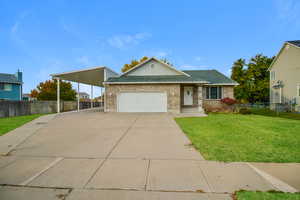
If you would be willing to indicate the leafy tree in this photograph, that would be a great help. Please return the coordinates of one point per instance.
(253, 79)
(133, 63)
(166, 61)
(48, 91)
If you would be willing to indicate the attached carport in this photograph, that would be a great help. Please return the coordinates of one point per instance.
(91, 76)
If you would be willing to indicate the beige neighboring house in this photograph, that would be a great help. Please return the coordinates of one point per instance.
(154, 86)
(285, 76)
(84, 96)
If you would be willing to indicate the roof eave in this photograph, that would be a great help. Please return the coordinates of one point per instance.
(155, 82)
(281, 50)
(231, 84)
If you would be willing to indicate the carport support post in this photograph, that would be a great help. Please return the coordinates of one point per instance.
(91, 96)
(58, 96)
(78, 97)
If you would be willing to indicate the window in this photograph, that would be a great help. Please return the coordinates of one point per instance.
(5, 87)
(272, 75)
(298, 90)
(213, 93)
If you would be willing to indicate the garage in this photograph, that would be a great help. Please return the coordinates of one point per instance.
(142, 102)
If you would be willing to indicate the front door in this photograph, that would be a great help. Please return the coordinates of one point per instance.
(188, 96)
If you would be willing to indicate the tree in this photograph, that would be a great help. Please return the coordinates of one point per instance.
(48, 91)
(133, 63)
(253, 79)
(166, 61)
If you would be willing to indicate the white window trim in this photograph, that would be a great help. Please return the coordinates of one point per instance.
(298, 90)
(272, 75)
(218, 89)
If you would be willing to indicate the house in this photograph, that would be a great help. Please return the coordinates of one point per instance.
(11, 86)
(27, 97)
(285, 76)
(84, 96)
(155, 86)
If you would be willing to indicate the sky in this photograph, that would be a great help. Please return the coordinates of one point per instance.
(44, 37)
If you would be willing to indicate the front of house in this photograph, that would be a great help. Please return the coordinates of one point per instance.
(154, 86)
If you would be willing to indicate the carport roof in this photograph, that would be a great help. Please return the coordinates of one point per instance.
(91, 76)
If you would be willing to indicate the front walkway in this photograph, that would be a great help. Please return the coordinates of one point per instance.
(89, 155)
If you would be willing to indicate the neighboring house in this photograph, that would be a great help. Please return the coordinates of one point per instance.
(154, 86)
(11, 86)
(84, 96)
(27, 97)
(285, 76)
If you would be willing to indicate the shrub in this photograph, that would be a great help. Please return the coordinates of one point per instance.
(228, 101)
(245, 111)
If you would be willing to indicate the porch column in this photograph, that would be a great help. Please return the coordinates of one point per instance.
(78, 106)
(200, 98)
(58, 96)
(91, 96)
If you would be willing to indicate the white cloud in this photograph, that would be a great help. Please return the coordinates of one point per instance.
(198, 58)
(124, 41)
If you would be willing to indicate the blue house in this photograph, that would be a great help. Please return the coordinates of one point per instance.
(11, 86)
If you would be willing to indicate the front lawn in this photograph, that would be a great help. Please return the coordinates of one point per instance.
(252, 138)
(9, 123)
(246, 195)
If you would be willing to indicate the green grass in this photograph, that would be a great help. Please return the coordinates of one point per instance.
(235, 137)
(10, 123)
(246, 195)
(267, 112)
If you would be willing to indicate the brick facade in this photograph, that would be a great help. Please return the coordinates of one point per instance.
(216, 105)
(174, 95)
(172, 90)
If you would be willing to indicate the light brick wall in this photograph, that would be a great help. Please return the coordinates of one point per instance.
(172, 90)
(228, 91)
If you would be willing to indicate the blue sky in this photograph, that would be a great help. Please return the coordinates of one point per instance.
(44, 37)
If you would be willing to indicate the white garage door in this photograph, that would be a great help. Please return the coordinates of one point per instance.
(142, 102)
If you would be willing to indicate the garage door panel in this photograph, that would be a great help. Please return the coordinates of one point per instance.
(142, 102)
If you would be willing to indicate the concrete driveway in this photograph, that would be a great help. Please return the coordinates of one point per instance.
(89, 155)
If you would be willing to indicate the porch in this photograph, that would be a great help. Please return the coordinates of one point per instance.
(191, 98)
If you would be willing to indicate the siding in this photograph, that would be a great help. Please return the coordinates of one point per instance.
(287, 70)
(14, 94)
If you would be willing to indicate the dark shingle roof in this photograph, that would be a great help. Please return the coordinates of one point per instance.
(211, 76)
(8, 78)
(295, 42)
(205, 76)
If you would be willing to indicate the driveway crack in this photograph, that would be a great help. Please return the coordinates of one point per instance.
(110, 152)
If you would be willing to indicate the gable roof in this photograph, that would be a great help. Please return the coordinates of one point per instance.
(195, 76)
(295, 43)
(157, 60)
(9, 78)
